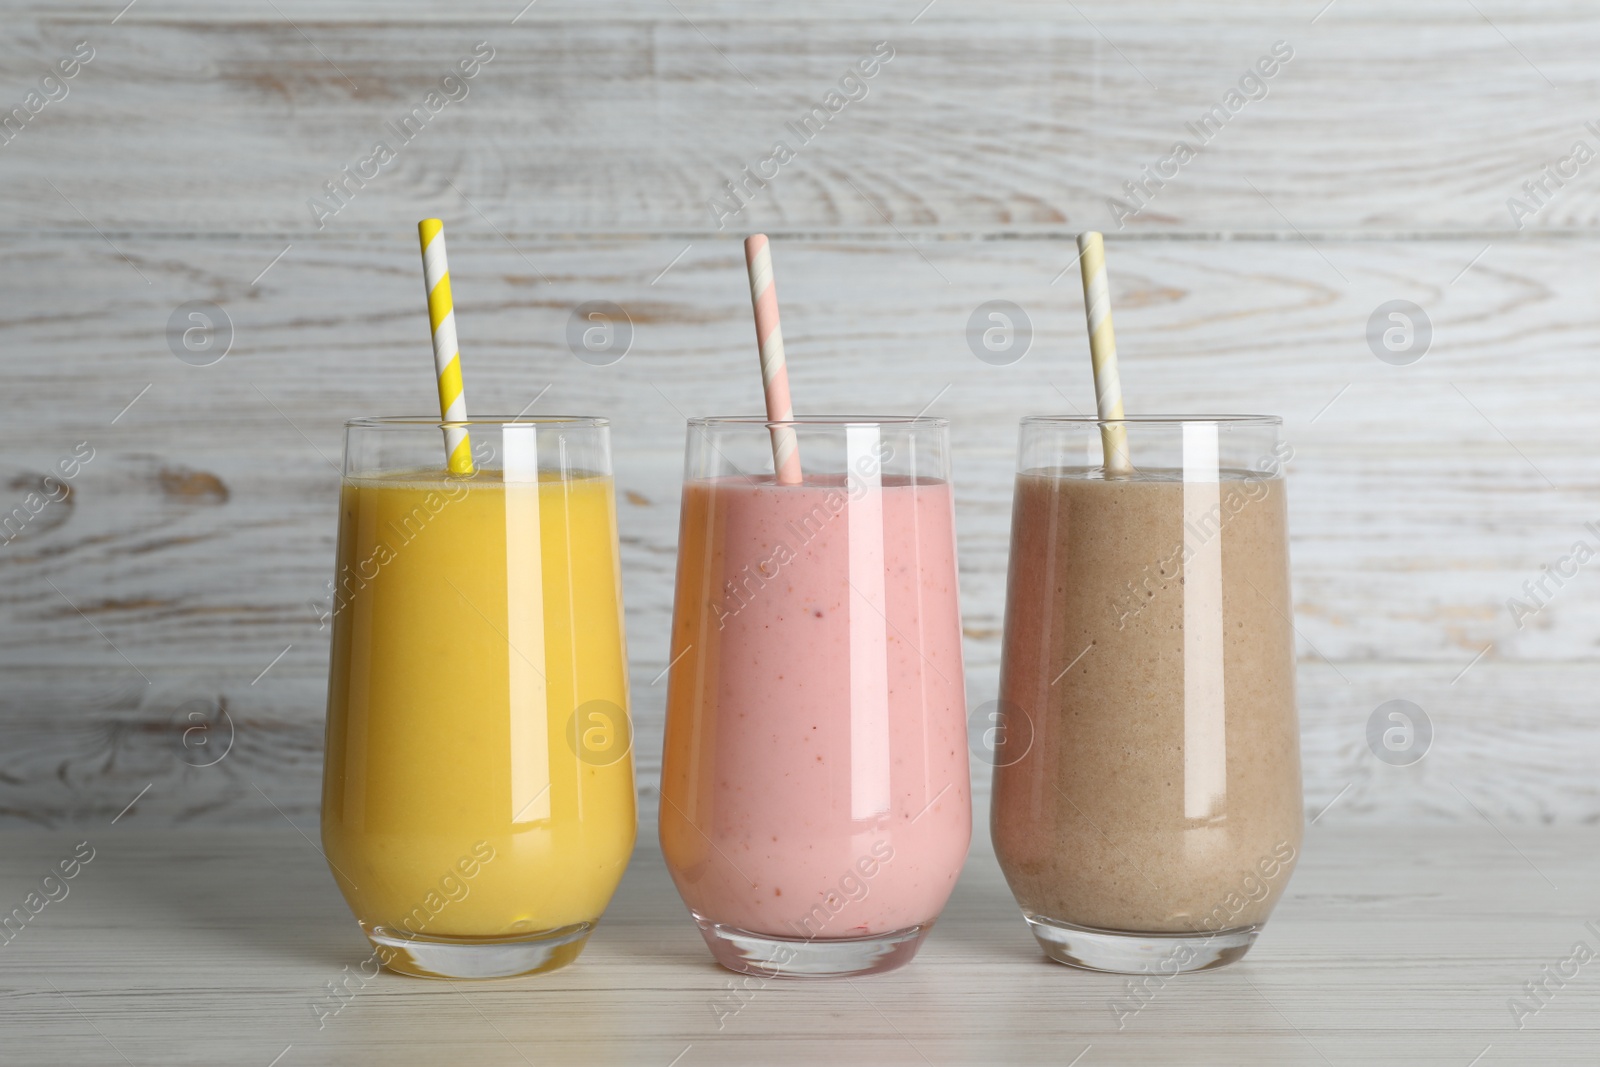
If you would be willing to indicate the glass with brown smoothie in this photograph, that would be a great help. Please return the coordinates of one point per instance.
(1147, 808)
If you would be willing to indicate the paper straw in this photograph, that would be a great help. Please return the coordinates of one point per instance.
(774, 371)
(1103, 352)
(446, 354)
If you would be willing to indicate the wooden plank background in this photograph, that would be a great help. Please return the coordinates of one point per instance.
(579, 166)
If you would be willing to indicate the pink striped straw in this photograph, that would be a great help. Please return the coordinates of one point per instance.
(774, 371)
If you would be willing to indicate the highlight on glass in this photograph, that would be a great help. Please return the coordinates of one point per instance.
(815, 806)
(1147, 808)
(478, 792)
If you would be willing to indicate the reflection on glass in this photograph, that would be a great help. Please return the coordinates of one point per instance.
(1154, 815)
(815, 808)
(472, 822)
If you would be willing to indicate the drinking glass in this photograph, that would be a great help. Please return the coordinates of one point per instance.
(815, 807)
(1147, 807)
(478, 798)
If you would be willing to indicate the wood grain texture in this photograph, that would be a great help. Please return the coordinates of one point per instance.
(1020, 116)
(1392, 945)
(197, 540)
(1512, 742)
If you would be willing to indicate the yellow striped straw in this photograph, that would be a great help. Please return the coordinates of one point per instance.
(446, 353)
(1103, 352)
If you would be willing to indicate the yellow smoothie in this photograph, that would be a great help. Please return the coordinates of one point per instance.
(479, 774)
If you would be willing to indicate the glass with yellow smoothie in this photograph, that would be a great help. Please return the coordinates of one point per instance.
(478, 794)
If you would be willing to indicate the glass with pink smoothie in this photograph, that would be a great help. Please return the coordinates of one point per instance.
(815, 808)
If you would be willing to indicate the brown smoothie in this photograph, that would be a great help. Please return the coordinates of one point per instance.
(1148, 646)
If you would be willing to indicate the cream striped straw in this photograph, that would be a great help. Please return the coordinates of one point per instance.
(774, 371)
(446, 353)
(1103, 352)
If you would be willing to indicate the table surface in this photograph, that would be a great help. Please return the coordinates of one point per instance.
(1392, 945)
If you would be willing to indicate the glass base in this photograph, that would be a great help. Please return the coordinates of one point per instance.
(423, 956)
(832, 957)
(1132, 953)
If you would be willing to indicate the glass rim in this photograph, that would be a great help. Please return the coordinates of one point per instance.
(380, 422)
(803, 421)
(1157, 420)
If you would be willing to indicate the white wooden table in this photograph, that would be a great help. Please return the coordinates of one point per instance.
(186, 571)
(1393, 945)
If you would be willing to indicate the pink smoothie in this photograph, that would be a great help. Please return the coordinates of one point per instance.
(814, 782)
